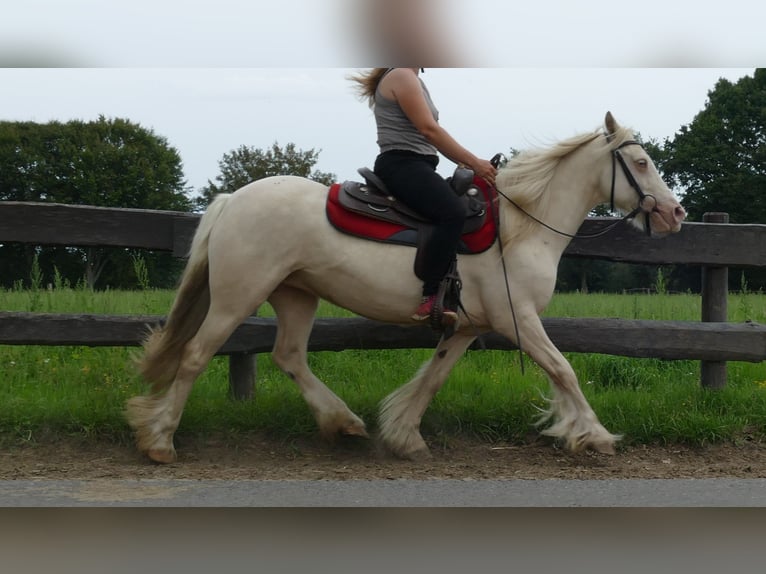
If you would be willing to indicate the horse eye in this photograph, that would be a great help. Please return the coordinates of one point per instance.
(642, 163)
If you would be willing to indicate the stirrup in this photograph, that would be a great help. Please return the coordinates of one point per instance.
(448, 296)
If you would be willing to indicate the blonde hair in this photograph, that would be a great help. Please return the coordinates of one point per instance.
(367, 84)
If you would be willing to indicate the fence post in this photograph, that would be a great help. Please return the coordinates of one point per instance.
(242, 371)
(715, 292)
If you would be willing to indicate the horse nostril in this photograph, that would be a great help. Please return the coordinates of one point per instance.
(679, 213)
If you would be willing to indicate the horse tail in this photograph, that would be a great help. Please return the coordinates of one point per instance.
(163, 346)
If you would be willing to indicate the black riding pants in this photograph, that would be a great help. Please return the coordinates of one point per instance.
(412, 179)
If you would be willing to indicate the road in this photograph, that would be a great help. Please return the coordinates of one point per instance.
(683, 493)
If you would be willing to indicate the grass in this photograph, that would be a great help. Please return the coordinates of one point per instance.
(81, 391)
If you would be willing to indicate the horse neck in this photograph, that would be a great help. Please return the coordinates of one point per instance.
(574, 191)
(570, 195)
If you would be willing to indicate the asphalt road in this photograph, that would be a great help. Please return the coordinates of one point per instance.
(385, 493)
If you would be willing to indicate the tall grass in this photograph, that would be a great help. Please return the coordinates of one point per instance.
(81, 391)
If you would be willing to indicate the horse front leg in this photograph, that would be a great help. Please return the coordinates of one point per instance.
(402, 410)
(573, 421)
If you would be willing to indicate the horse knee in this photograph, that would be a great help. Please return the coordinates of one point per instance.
(287, 360)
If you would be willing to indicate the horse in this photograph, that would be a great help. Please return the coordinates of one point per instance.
(271, 241)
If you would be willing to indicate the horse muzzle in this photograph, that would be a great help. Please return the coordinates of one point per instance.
(666, 220)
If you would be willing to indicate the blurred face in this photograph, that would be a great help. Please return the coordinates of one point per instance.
(409, 32)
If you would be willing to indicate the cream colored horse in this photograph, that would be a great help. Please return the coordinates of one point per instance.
(271, 241)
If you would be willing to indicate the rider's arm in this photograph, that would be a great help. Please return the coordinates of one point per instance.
(404, 86)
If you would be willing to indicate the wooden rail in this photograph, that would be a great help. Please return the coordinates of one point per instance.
(715, 341)
(714, 245)
(702, 244)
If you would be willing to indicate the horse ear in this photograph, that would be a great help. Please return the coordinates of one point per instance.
(611, 126)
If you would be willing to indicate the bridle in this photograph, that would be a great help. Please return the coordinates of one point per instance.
(617, 157)
(498, 159)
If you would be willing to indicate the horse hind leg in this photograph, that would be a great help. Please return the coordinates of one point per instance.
(402, 410)
(295, 310)
(156, 417)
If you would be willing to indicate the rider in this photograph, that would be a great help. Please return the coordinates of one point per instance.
(409, 137)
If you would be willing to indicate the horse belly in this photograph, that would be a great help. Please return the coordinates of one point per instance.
(369, 279)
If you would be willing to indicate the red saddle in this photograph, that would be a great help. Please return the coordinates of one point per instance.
(367, 211)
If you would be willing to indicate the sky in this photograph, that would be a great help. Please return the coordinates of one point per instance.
(206, 112)
(210, 77)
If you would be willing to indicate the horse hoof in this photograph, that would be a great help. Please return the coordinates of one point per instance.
(162, 456)
(419, 455)
(355, 429)
(349, 431)
(361, 433)
(604, 448)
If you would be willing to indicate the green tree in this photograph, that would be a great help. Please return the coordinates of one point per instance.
(246, 164)
(718, 162)
(107, 163)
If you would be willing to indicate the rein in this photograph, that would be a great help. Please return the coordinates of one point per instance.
(496, 161)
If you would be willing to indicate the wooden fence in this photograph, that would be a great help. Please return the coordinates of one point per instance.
(714, 245)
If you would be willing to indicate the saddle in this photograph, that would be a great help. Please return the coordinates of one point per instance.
(373, 200)
(369, 211)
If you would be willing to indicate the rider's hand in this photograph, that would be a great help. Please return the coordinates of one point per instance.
(486, 171)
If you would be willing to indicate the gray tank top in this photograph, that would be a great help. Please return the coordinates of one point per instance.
(396, 131)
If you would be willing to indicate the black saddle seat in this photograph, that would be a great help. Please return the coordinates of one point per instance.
(373, 199)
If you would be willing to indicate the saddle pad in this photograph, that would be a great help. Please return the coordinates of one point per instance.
(359, 225)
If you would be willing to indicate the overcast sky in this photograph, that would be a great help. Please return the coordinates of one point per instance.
(205, 113)
(210, 77)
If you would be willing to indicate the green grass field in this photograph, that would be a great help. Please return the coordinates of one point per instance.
(81, 391)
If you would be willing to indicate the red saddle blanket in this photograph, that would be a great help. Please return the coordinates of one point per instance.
(376, 229)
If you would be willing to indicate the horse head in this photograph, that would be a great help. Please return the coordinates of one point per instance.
(634, 185)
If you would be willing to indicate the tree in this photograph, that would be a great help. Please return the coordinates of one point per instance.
(246, 164)
(108, 163)
(718, 162)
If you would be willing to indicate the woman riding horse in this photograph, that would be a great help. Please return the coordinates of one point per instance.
(409, 137)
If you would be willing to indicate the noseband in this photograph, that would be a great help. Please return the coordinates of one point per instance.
(617, 157)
